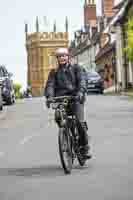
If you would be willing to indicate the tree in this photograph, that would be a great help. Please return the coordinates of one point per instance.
(129, 31)
(17, 87)
(29, 82)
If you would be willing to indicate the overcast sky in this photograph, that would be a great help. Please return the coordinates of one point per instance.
(13, 15)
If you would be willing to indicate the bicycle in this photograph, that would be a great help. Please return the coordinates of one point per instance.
(68, 136)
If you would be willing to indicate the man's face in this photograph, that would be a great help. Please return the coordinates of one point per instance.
(63, 59)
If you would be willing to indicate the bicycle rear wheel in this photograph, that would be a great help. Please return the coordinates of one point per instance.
(65, 151)
(80, 158)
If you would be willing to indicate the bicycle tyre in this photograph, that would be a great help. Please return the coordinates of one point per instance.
(80, 158)
(64, 137)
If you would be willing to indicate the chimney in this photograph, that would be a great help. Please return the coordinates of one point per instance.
(107, 8)
(90, 13)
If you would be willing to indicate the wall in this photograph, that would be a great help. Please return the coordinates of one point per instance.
(40, 57)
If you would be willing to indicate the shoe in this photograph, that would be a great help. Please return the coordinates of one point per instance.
(84, 150)
(87, 156)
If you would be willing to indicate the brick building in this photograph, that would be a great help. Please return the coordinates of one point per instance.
(84, 44)
(107, 8)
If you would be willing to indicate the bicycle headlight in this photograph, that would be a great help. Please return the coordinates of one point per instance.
(65, 102)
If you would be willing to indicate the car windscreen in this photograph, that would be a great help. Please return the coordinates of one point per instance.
(91, 75)
(1, 73)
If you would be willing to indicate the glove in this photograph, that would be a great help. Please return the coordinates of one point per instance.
(47, 102)
(81, 97)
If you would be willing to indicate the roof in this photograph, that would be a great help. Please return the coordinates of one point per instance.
(118, 3)
(117, 16)
(122, 11)
(86, 44)
(105, 50)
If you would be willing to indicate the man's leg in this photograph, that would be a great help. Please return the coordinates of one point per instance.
(82, 127)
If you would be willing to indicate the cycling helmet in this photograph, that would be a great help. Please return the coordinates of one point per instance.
(61, 51)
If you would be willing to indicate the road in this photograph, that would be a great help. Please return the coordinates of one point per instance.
(29, 161)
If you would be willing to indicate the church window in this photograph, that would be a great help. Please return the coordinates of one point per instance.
(51, 60)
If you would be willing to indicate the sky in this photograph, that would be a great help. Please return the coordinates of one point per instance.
(15, 13)
(117, 1)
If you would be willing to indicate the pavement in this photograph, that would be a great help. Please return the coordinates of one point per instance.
(111, 90)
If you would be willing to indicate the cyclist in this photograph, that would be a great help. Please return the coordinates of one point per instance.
(68, 79)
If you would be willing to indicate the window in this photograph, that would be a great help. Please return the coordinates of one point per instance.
(52, 60)
(3, 71)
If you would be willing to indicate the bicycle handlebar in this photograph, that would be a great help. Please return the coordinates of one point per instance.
(54, 99)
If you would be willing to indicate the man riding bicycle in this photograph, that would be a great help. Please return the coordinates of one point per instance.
(68, 79)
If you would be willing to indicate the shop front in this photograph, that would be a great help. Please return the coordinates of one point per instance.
(105, 61)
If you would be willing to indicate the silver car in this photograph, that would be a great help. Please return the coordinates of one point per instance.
(8, 94)
(1, 101)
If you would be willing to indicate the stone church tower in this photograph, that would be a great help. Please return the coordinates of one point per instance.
(40, 48)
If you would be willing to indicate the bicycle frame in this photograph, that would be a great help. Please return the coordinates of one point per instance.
(67, 122)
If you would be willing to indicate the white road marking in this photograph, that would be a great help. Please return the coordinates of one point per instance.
(26, 139)
(2, 154)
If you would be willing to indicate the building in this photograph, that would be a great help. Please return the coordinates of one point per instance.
(124, 66)
(89, 13)
(107, 8)
(106, 57)
(112, 55)
(84, 48)
(40, 48)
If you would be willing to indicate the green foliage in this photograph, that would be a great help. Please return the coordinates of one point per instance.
(17, 87)
(129, 31)
(29, 82)
(29, 90)
(29, 87)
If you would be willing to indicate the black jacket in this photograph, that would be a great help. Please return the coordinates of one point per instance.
(65, 81)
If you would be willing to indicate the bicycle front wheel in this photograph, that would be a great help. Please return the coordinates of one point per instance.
(65, 151)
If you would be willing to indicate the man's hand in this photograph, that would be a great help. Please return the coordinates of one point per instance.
(47, 102)
(81, 97)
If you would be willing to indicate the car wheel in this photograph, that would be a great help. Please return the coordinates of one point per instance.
(1, 107)
(101, 91)
(10, 100)
(13, 99)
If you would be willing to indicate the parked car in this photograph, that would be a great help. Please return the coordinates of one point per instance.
(1, 101)
(8, 94)
(94, 82)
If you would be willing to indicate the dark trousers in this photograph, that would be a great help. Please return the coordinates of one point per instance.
(78, 110)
